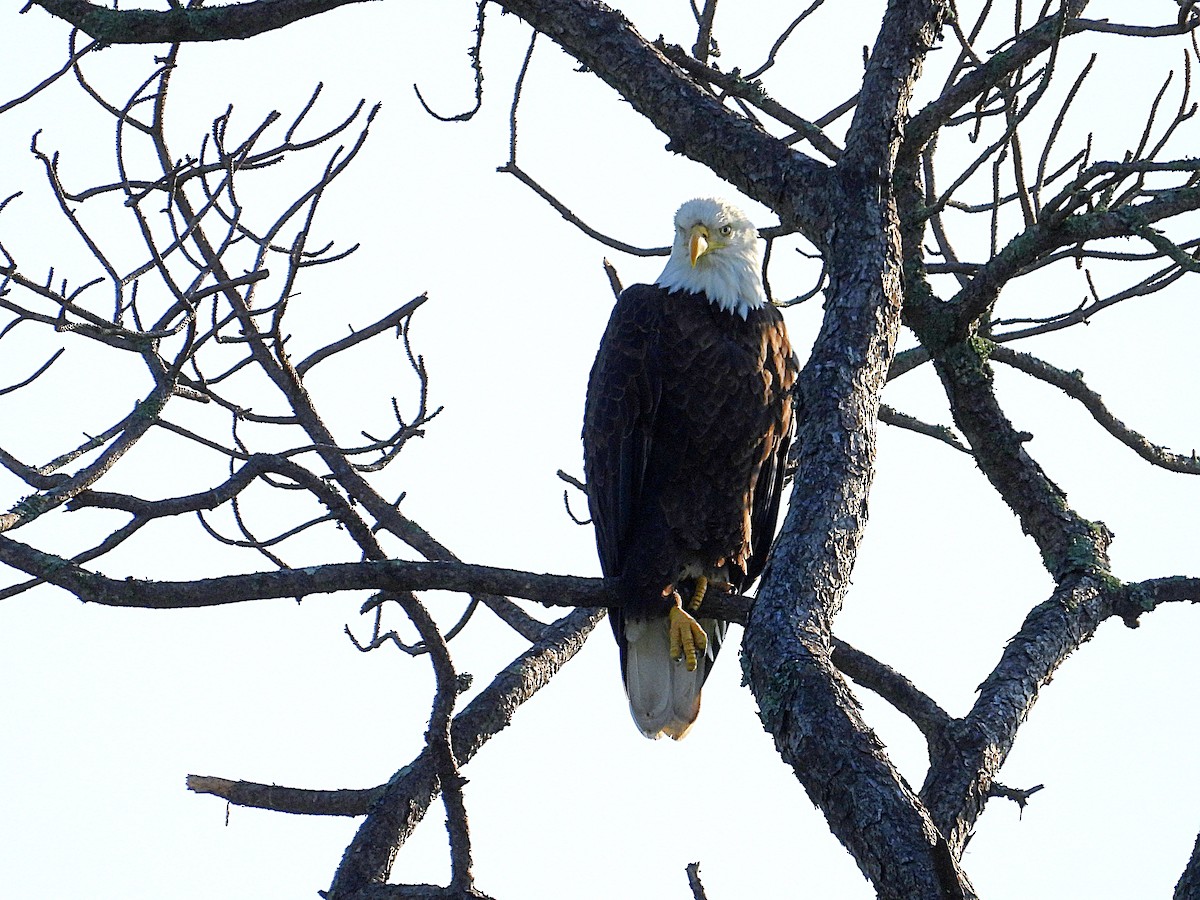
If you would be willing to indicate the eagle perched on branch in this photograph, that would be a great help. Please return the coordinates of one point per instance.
(686, 432)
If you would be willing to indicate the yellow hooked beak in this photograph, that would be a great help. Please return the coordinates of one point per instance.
(698, 243)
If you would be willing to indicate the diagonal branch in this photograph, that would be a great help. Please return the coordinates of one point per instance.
(755, 94)
(698, 125)
(133, 427)
(405, 798)
(392, 320)
(1072, 384)
(960, 778)
(1024, 49)
(909, 31)
(924, 712)
(897, 419)
(1068, 542)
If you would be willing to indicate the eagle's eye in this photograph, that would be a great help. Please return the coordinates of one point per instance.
(726, 230)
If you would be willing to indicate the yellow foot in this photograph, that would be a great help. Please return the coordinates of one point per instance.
(688, 639)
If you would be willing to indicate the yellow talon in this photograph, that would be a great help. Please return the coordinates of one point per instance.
(688, 639)
(701, 591)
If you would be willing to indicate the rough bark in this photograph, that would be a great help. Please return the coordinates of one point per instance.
(1188, 886)
(221, 23)
(803, 702)
(403, 801)
(698, 125)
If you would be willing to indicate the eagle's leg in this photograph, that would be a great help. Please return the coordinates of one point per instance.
(687, 636)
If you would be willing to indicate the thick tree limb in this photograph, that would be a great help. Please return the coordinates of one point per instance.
(1068, 542)
(960, 778)
(236, 21)
(1188, 886)
(803, 702)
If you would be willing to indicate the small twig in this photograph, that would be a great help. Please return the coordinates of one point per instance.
(572, 480)
(41, 369)
(1016, 795)
(578, 485)
(705, 44)
(614, 279)
(392, 319)
(734, 85)
(784, 35)
(74, 58)
(476, 66)
(939, 432)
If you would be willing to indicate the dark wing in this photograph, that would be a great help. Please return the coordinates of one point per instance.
(768, 490)
(622, 399)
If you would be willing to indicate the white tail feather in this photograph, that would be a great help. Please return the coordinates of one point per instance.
(664, 697)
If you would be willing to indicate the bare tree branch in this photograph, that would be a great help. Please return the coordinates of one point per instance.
(1072, 384)
(299, 801)
(406, 797)
(907, 422)
(730, 144)
(754, 94)
(931, 719)
(803, 588)
(694, 882)
(236, 21)
(1188, 886)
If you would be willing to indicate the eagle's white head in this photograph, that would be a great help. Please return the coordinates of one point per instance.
(715, 253)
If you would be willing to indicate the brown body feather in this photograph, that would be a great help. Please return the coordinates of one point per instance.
(686, 432)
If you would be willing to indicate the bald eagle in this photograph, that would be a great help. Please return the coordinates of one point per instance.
(686, 431)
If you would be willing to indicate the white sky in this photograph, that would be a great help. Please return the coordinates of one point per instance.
(104, 712)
